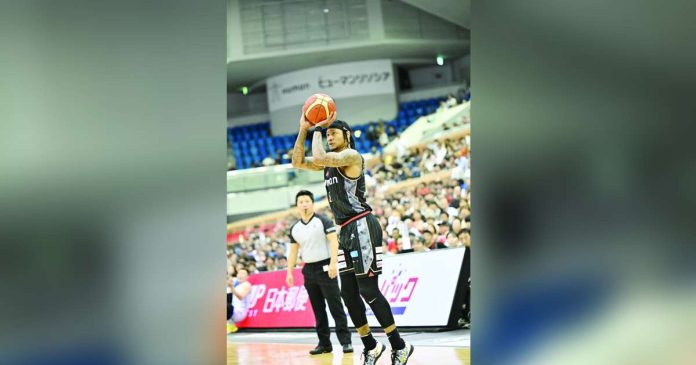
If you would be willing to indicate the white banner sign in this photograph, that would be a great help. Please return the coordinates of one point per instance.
(339, 81)
(419, 287)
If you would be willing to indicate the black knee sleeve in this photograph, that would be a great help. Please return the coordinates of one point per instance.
(370, 293)
(351, 297)
(369, 289)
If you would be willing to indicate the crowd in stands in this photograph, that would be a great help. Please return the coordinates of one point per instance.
(421, 217)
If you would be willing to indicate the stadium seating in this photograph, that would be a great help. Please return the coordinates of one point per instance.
(253, 143)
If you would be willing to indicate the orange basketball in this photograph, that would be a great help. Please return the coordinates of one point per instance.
(318, 107)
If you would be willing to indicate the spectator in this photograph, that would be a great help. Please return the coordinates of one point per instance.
(444, 217)
(442, 107)
(269, 161)
(270, 265)
(391, 132)
(238, 290)
(451, 100)
(392, 248)
(282, 263)
(418, 245)
(442, 230)
(456, 226)
(383, 137)
(452, 240)
(251, 268)
(371, 133)
(428, 238)
(465, 237)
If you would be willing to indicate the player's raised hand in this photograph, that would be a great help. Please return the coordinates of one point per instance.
(304, 124)
(327, 122)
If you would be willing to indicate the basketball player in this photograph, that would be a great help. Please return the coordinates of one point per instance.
(314, 236)
(360, 240)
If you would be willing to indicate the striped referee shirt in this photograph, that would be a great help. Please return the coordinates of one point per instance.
(311, 237)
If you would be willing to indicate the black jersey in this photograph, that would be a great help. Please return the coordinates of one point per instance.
(346, 196)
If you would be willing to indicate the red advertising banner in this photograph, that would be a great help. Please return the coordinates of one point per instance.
(419, 287)
(273, 305)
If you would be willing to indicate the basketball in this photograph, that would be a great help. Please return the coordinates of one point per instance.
(318, 107)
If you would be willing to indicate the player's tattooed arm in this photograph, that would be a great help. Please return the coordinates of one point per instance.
(299, 160)
(347, 157)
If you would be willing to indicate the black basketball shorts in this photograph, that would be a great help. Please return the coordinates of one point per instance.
(360, 247)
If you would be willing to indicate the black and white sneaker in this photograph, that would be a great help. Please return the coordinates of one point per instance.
(370, 357)
(400, 357)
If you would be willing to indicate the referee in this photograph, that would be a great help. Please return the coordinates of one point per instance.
(315, 237)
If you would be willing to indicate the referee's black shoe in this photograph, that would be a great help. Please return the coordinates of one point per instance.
(320, 350)
(347, 348)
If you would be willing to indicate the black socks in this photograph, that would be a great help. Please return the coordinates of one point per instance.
(368, 341)
(397, 343)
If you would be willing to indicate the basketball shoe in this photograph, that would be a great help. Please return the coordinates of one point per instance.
(370, 357)
(400, 357)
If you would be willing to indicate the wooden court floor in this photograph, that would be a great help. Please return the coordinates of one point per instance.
(297, 354)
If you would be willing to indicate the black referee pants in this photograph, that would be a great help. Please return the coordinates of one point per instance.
(323, 290)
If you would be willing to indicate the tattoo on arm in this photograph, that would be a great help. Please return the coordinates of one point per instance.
(298, 159)
(348, 157)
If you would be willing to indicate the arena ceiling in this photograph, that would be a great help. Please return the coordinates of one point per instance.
(455, 11)
(253, 71)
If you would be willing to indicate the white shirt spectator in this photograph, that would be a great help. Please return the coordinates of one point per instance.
(459, 172)
(401, 149)
(383, 138)
(440, 154)
(451, 101)
(370, 181)
(268, 161)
